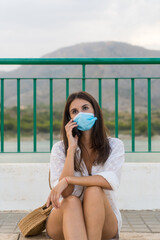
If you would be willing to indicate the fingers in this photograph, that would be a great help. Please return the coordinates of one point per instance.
(55, 200)
(70, 125)
(53, 204)
(69, 129)
(48, 202)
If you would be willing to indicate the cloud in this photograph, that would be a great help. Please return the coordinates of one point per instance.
(34, 28)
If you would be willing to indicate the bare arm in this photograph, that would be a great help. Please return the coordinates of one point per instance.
(68, 170)
(89, 181)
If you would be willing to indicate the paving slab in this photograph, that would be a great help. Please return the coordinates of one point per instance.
(137, 225)
(140, 236)
(4, 236)
(41, 236)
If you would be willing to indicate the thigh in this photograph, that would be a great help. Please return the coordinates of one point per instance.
(110, 227)
(54, 224)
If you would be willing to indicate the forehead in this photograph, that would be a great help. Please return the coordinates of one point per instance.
(78, 103)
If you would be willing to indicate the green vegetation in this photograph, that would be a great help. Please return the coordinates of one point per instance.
(43, 121)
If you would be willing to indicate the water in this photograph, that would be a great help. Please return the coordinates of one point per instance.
(43, 146)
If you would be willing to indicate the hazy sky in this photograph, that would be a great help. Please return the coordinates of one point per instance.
(32, 28)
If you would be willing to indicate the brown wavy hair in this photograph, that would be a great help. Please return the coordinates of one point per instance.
(99, 134)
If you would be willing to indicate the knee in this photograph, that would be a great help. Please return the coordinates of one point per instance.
(71, 201)
(92, 191)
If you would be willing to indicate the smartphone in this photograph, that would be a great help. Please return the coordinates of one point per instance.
(75, 131)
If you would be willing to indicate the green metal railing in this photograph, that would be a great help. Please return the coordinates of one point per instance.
(83, 62)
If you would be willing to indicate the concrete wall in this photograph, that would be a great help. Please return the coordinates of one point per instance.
(25, 186)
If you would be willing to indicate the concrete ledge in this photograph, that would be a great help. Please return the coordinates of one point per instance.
(25, 186)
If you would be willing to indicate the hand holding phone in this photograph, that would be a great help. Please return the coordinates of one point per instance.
(75, 132)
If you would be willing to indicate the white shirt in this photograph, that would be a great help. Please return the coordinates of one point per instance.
(111, 171)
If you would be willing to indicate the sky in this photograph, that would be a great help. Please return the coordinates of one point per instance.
(33, 28)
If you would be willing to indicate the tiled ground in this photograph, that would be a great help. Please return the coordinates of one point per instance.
(137, 225)
(141, 221)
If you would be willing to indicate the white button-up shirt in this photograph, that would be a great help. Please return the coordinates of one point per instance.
(111, 171)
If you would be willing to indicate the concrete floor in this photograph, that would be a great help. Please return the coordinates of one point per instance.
(137, 225)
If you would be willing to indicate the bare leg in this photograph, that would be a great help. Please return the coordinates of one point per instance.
(67, 222)
(73, 220)
(101, 223)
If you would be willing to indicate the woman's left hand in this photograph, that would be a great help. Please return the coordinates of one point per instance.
(56, 192)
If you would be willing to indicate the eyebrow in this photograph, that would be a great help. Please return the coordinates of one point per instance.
(86, 104)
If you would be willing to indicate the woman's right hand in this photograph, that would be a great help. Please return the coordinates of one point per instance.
(72, 141)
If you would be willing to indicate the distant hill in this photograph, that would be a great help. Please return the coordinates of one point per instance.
(94, 49)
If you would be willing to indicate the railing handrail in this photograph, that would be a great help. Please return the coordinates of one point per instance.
(76, 61)
(78, 78)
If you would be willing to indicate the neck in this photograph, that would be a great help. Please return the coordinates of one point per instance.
(86, 138)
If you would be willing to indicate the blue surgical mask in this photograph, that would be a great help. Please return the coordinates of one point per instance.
(85, 121)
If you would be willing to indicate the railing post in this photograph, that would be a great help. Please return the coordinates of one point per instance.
(132, 112)
(67, 88)
(51, 112)
(149, 115)
(18, 115)
(83, 77)
(116, 107)
(2, 115)
(100, 91)
(34, 116)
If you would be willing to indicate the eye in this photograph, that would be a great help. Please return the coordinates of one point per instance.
(85, 107)
(74, 111)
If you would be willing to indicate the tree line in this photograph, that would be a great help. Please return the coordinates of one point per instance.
(43, 121)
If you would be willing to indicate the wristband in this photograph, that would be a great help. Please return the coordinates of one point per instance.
(66, 180)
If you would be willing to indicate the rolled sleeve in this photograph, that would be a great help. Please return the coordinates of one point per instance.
(111, 178)
(112, 167)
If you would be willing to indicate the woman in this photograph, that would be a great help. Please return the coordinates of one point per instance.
(85, 171)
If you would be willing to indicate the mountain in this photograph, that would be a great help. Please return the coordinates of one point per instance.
(95, 50)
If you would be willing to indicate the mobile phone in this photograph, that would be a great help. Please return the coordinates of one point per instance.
(75, 131)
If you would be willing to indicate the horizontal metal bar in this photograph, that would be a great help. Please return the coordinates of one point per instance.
(74, 78)
(73, 61)
(142, 152)
(50, 152)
